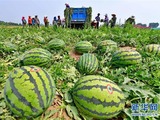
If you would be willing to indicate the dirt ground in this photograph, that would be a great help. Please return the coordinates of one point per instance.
(127, 48)
(74, 55)
(56, 105)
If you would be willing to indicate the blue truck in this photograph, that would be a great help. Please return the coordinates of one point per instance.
(78, 17)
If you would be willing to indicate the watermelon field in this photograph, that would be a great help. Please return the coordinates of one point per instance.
(59, 73)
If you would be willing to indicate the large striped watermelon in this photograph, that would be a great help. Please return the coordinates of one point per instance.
(29, 91)
(56, 44)
(83, 47)
(107, 46)
(87, 63)
(36, 56)
(98, 97)
(153, 48)
(126, 57)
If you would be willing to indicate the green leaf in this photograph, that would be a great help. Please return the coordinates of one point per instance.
(49, 113)
(138, 91)
(67, 97)
(128, 113)
(73, 112)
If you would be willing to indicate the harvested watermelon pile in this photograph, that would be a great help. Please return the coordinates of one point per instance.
(68, 74)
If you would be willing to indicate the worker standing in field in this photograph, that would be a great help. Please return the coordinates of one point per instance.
(59, 21)
(24, 22)
(130, 21)
(54, 21)
(46, 21)
(63, 23)
(29, 21)
(37, 22)
(113, 20)
(106, 20)
(97, 20)
(33, 21)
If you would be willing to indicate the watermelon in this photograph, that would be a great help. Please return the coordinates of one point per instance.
(8, 47)
(39, 39)
(36, 56)
(83, 47)
(126, 57)
(107, 46)
(29, 91)
(153, 48)
(87, 63)
(56, 44)
(98, 97)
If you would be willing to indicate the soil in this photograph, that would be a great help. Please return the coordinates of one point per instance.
(74, 55)
(127, 48)
(56, 105)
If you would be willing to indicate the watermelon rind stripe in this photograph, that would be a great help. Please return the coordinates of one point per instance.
(19, 96)
(85, 62)
(51, 84)
(102, 87)
(96, 101)
(38, 53)
(13, 106)
(116, 58)
(95, 113)
(32, 80)
(92, 79)
(94, 63)
(90, 60)
(44, 86)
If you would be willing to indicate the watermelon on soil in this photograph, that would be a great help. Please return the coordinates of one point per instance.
(107, 46)
(87, 63)
(83, 47)
(56, 44)
(36, 56)
(29, 91)
(98, 97)
(126, 57)
(153, 48)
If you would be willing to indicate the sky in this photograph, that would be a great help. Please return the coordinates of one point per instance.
(145, 11)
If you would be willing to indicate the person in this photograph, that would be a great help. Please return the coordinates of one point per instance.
(24, 22)
(93, 24)
(67, 5)
(106, 20)
(59, 21)
(33, 21)
(37, 22)
(113, 20)
(130, 21)
(97, 20)
(63, 23)
(46, 22)
(54, 21)
(29, 21)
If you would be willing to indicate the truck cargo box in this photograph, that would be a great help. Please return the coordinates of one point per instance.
(77, 17)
